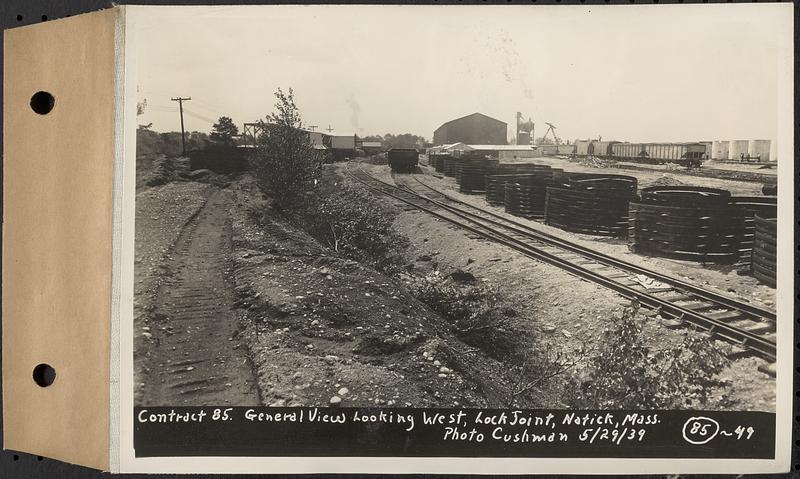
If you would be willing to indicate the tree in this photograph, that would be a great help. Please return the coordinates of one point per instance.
(285, 163)
(224, 131)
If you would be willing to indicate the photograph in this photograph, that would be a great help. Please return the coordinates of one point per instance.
(424, 207)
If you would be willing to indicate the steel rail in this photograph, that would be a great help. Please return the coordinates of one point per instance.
(759, 345)
(718, 298)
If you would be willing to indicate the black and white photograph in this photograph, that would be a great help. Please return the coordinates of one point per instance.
(394, 208)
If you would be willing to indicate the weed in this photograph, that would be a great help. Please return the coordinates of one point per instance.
(629, 374)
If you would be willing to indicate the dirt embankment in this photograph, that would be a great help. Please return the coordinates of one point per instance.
(565, 311)
(325, 330)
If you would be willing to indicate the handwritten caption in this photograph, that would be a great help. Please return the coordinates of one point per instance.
(477, 426)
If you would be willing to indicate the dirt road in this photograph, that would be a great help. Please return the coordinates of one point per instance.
(196, 357)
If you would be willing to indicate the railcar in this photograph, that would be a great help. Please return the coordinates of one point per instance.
(582, 147)
(403, 160)
(601, 149)
(690, 155)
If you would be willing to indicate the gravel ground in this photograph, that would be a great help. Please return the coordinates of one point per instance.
(161, 214)
(570, 311)
(770, 169)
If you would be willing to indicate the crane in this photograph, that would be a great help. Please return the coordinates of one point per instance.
(551, 127)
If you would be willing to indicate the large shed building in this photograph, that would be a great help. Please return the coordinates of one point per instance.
(474, 129)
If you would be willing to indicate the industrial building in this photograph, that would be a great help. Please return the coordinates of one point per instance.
(474, 129)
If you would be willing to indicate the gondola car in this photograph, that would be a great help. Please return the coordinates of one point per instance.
(690, 155)
(403, 160)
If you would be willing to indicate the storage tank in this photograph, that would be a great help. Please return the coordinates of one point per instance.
(719, 149)
(737, 149)
(759, 148)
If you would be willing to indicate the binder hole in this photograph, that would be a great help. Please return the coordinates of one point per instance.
(44, 375)
(42, 102)
(44, 18)
(19, 18)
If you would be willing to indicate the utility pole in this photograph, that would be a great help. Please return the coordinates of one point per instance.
(183, 132)
(313, 128)
(329, 128)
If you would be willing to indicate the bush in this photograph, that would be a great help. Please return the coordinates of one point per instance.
(628, 374)
(151, 143)
(165, 169)
(473, 313)
(351, 222)
(285, 164)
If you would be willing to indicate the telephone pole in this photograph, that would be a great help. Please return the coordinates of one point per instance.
(329, 128)
(183, 132)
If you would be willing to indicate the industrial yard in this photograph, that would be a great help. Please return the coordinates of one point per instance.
(277, 317)
(516, 236)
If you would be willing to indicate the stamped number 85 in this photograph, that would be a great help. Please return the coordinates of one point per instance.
(700, 430)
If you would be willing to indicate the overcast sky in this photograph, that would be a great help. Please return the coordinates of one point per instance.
(635, 73)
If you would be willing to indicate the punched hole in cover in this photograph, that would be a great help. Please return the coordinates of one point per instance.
(42, 102)
(44, 375)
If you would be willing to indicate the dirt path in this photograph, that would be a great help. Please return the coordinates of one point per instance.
(196, 357)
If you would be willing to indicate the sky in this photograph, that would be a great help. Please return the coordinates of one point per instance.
(626, 73)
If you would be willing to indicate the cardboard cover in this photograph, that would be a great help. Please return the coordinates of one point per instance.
(57, 231)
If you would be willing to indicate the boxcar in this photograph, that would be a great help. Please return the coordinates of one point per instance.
(403, 160)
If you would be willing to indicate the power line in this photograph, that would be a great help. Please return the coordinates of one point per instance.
(199, 116)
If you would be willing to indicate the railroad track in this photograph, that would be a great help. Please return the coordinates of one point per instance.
(747, 326)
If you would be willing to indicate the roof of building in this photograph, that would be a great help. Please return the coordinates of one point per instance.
(503, 147)
(471, 114)
(465, 147)
(371, 144)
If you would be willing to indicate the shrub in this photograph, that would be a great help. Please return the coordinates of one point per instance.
(473, 313)
(628, 374)
(284, 163)
(165, 169)
(352, 223)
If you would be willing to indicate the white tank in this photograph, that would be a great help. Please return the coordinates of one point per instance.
(760, 148)
(737, 149)
(719, 149)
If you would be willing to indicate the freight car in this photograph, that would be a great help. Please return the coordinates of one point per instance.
(690, 155)
(403, 160)
(601, 149)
